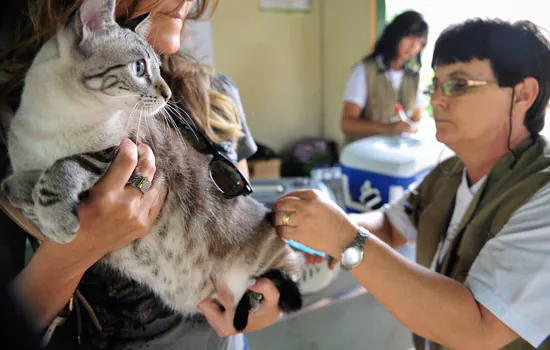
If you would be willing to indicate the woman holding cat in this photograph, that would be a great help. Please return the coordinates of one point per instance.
(115, 214)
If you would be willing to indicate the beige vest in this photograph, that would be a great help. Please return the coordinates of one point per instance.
(502, 193)
(381, 96)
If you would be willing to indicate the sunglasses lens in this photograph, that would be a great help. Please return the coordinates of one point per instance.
(226, 178)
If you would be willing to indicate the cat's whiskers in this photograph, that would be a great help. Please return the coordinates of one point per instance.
(149, 120)
(176, 111)
(161, 52)
(163, 114)
(175, 106)
(165, 119)
(168, 119)
(139, 125)
(122, 96)
(148, 109)
(150, 114)
(154, 40)
(129, 121)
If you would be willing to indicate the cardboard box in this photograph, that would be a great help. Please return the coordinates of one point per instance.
(265, 169)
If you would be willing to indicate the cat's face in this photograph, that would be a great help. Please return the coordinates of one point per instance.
(116, 64)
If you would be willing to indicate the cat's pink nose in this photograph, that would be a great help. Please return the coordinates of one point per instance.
(166, 94)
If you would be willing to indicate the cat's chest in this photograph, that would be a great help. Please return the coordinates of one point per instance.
(30, 153)
(42, 155)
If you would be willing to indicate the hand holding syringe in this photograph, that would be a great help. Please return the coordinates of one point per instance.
(404, 118)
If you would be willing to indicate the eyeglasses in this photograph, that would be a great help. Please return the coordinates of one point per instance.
(224, 174)
(456, 87)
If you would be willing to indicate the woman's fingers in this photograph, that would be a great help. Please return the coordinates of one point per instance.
(145, 167)
(285, 218)
(121, 168)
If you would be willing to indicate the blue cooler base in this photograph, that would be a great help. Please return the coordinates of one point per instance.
(365, 191)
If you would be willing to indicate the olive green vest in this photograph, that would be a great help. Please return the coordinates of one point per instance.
(381, 96)
(507, 187)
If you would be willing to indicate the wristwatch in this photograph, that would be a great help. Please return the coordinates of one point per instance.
(352, 255)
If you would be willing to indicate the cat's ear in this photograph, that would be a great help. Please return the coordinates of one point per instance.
(140, 24)
(96, 16)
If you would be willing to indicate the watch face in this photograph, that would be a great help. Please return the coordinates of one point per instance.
(352, 256)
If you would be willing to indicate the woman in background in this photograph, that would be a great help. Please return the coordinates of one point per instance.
(387, 76)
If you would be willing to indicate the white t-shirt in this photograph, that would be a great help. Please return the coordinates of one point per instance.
(357, 92)
(510, 275)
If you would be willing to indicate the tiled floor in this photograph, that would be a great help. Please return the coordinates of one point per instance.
(356, 324)
(347, 323)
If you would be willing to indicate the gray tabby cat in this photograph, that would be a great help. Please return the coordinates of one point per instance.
(76, 107)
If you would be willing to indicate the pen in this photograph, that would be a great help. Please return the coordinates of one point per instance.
(401, 112)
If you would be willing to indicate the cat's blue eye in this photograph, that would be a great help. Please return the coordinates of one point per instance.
(139, 68)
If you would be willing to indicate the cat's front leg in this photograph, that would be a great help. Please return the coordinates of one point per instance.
(59, 190)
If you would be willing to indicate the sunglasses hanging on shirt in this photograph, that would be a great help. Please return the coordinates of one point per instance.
(224, 174)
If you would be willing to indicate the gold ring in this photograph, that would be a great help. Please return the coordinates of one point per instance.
(286, 219)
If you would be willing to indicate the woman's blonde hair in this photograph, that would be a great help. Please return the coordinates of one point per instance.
(214, 112)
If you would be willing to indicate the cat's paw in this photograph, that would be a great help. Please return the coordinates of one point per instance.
(290, 297)
(240, 320)
(250, 302)
(59, 220)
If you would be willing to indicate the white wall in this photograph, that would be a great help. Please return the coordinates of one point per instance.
(290, 68)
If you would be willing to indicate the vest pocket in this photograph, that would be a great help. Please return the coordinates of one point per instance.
(432, 224)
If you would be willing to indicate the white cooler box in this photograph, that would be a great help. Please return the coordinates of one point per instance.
(378, 169)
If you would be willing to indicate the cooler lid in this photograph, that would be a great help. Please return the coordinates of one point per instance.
(391, 155)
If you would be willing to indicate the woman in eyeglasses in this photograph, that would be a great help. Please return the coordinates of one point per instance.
(388, 75)
(115, 215)
(479, 220)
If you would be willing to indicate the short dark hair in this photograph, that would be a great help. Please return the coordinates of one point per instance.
(515, 50)
(406, 24)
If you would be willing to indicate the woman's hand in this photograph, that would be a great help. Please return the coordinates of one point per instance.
(313, 259)
(310, 218)
(222, 320)
(115, 213)
(400, 127)
(113, 216)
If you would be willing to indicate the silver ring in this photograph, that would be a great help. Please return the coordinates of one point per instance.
(142, 183)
